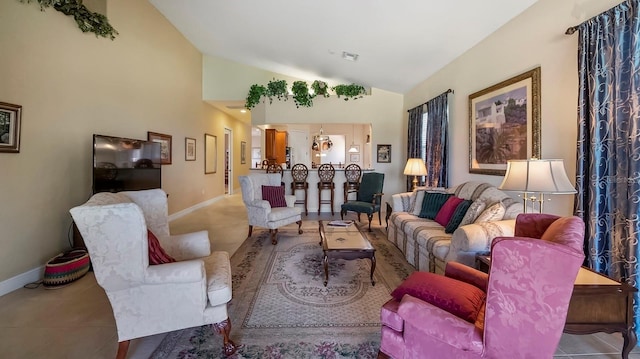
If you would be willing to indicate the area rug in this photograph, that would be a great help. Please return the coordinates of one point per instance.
(281, 309)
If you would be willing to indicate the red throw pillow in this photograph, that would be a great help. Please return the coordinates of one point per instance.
(275, 196)
(446, 211)
(157, 255)
(456, 297)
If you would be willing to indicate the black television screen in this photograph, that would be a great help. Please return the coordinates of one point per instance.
(124, 164)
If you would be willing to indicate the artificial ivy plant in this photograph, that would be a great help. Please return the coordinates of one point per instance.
(87, 20)
(302, 96)
(278, 89)
(349, 91)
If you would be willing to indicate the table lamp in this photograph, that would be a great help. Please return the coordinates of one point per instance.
(415, 167)
(535, 178)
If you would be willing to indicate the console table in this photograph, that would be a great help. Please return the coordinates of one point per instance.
(598, 304)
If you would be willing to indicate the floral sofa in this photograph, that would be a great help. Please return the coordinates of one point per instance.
(426, 244)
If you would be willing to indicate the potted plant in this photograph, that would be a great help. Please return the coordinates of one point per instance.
(349, 91)
(255, 94)
(301, 94)
(278, 89)
(320, 88)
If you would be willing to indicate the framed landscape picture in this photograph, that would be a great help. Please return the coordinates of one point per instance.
(10, 118)
(243, 152)
(504, 123)
(384, 154)
(210, 153)
(165, 146)
(189, 149)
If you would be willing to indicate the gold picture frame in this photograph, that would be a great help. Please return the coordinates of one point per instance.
(189, 149)
(10, 121)
(504, 123)
(210, 153)
(165, 146)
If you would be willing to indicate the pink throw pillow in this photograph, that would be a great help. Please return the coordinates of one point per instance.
(157, 255)
(446, 211)
(275, 196)
(456, 297)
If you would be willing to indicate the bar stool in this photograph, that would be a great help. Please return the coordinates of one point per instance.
(352, 174)
(299, 173)
(326, 172)
(274, 168)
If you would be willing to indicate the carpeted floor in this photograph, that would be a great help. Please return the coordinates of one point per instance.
(281, 309)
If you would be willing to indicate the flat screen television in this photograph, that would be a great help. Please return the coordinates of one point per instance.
(125, 164)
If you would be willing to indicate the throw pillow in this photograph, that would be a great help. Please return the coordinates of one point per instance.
(274, 195)
(457, 216)
(447, 209)
(432, 203)
(473, 212)
(418, 196)
(494, 212)
(456, 297)
(157, 255)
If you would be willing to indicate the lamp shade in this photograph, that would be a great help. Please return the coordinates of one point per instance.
(415, 167)
(541, 176)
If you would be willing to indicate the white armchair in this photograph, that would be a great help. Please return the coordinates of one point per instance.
(151, 299)
(260, 212)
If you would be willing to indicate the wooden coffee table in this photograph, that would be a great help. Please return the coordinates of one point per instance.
(345, 243)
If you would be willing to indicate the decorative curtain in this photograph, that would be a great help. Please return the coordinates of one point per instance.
(436, 141)
(608, 153)
(414, 141)
(427, 139)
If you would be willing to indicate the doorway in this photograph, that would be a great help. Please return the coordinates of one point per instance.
(228, 161)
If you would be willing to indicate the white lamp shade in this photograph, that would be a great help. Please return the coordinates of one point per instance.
(415, 167)
(541, 176)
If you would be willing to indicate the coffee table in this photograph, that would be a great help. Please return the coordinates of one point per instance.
(345, 243)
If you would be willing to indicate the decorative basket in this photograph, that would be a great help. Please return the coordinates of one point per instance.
(66, 268)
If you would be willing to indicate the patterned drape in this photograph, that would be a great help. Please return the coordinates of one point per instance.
(608, 154)
(414, 140)
(436, 141)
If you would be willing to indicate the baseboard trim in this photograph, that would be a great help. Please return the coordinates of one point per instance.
(186, 211)
(17, 282)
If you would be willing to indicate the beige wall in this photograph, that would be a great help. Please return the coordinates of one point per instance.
(535, 38)
(72, 85)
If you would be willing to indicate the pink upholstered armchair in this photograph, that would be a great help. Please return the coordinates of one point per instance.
(518, 310)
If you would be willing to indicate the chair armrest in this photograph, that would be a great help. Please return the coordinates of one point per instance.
(477, 237)
(432, 321)
(177, 272)
(377, 198)
(467, 274)
(400, 202)
(260, 203)
(188, 245)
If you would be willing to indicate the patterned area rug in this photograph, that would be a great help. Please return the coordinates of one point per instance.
(281, 309)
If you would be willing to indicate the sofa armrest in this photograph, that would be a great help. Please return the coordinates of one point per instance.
(477, 237)
(467, 274)
(439, 324)
(401, 201)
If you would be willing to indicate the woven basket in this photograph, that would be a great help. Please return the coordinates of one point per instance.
(66, 268)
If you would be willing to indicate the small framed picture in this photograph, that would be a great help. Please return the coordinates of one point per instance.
(354, 157)
(10, 117)
(165, 146)
(384, 154)
(189, 149)
(243, 152)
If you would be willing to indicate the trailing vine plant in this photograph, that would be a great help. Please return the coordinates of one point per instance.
(87, 20)
(301, 94)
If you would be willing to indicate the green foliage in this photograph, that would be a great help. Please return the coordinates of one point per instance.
(87, 21)
(278, 89)
(301, 94)
(349, 91)
(255, 94)
(320, 88)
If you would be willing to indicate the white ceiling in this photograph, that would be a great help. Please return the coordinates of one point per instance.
(400, 43)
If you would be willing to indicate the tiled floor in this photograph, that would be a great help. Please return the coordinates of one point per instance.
(76, 321)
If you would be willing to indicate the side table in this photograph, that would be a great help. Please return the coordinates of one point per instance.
(598, 304)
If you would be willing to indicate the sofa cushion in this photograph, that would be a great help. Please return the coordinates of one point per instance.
(274, 195)
(432, 203)
(415, 205)
(457, 216)
(473, 212)
(446, 211)
(494, 212)
(456, 297)
(157, 255)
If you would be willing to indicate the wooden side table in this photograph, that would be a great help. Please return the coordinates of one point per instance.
(598, 304)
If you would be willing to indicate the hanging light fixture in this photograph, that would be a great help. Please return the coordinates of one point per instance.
(353, 148)
(321, 136)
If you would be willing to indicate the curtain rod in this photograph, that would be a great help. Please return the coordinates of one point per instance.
(573, 29)
(444, 93)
